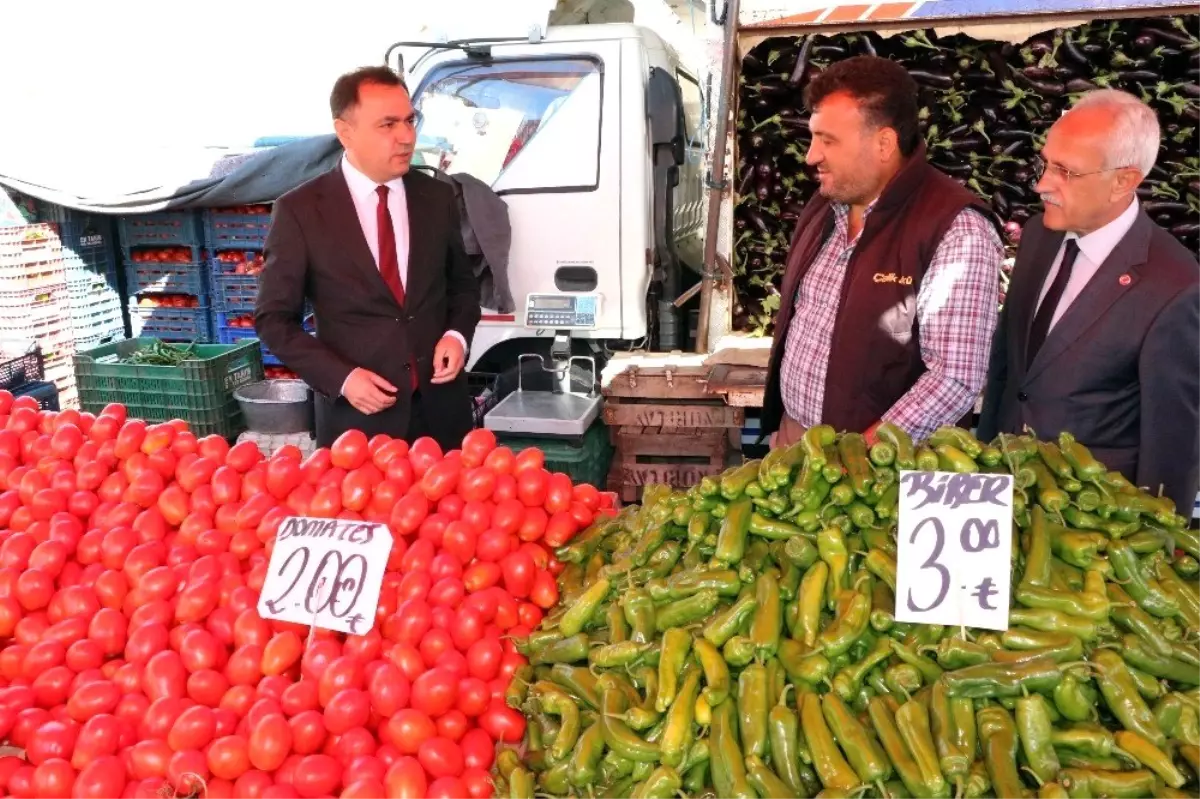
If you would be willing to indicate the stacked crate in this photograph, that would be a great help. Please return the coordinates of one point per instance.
(236, 237)
(34, 301)
(166, 276)
(94, 296)
(669, 428)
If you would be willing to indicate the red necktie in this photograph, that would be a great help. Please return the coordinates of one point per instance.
(389, 261)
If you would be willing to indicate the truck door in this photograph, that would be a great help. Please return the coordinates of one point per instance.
(539, 124)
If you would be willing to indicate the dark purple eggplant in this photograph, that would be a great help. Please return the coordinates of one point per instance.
(1138, 75)
(1038, 73)
(1080, 85)
(1169, 32)
(956, 170)
(829, 51)
(1186, 229)
(1046, 88)
(1191, 89)
(867, 45)
(801, 62)
(1000, 204)
(1164, 207)
(1073, 52)
(1011, 134)
(932, 78)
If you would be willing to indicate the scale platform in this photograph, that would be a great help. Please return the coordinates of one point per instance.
(546, 413)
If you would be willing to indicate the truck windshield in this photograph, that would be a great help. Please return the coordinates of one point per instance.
(481, 118)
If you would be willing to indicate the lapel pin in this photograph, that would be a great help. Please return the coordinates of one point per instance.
(1125, 280)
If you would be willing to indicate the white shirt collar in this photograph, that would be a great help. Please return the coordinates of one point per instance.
(361, 186)
(1099, 244)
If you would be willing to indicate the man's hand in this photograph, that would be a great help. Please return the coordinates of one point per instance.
(368, 392)
(871, 434)
(448, 360)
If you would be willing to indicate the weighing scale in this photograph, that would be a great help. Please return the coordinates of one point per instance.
(547, 413)
(563, 411)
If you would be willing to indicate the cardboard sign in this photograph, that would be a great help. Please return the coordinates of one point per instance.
(326, 573)
(954, 559)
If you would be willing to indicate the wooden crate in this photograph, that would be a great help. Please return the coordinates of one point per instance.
(666, 424)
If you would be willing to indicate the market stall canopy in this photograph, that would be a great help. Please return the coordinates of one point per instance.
(113, 181)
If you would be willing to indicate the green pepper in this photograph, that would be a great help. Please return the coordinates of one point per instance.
(834, 470)
(567, 650)
(814, 440)
(955, 653)
(678, 731)
(1053, 621)
(779, 470)
(1183, 594)
(768, 619)
(929, 671)
(1053, 459)
(771, 528)
(953, 761)
(716, 671)
(808, 668)
(1139, 655)
(998, 735)
(579, 613)
(884, 721)
(555, 702)
(683, 584)
(830, 766)
(900, 442)
(663, 783)
(1074, 698)
(617, 735)
(865, 756)
(883, 608)
(927, 459)
(852, 450)
(586, 756)
(1025, 645)
(727, 763)
(1037, 561)
(724, 625)
(1188, 541)
(1001, 679)
(753, 705)
(676, 646)
(1121, 695)
(831, 544)
(1084, 604)
(735, 482)
(978, 783)
(1146, 592)
(1086, 783)
(1131, 618)
(783, 732)
(848, 627)
(763, 780)
(1083, 465)
(518, 688)
(689, 610)
(902, 679)
(1035, 730)
(731, 541)
(1049, 495)
(848, 681)
(953, 459)
(882, 566)
(612, 656)
(521, 784)
(882, 454)
(811, 599)
(912, 721)
(640, 613)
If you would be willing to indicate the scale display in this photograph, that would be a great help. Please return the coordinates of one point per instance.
(561, 310)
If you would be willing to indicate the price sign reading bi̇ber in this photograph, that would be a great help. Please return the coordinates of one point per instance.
(326, 573)
(954, 558)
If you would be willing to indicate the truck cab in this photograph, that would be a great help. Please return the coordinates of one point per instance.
(591, 135)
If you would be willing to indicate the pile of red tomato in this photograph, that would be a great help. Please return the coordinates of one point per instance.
(133, 661)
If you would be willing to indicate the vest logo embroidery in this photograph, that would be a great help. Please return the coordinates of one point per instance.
(892, 277)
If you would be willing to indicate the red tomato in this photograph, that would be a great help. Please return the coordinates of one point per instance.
(270, 743)
(423, 454)
(478, 783)
(440, 480)
(406, 779)
(533, 486)
(473, 696)
(346, 710)
(317, 775)
(503, 723)
(441, 757)
(434, 692)
(544, 592)
(478, 749)
(408, 729)
(350, 450)
(529, 459)
(477, 445)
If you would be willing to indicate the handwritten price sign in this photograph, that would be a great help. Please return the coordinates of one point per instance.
(326, 573)
(954, 539)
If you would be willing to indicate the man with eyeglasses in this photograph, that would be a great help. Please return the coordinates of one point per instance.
(377, 249)
(1100, 336)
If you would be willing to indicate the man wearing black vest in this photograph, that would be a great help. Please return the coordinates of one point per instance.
(890, 295)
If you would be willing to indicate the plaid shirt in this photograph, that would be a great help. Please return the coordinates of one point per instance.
(957, 310)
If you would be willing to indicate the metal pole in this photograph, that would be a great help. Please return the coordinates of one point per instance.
(717, 185)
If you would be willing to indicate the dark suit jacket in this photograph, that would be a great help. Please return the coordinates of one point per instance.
(1121, 368)
(316, 250)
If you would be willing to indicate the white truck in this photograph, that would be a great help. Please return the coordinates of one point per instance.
(591, 135)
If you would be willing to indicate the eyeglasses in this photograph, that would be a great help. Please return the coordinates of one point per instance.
(1040, 167)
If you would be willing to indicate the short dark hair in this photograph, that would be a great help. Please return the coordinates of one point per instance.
(885, 92)
(345, 90)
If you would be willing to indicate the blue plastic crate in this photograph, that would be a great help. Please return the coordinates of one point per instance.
(229, 229)
(86, 234)
(157, 277)
(236, 335)
(171, 324)
(233, 293)
(163, 229)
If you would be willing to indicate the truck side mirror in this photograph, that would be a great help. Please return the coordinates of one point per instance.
(664, 108)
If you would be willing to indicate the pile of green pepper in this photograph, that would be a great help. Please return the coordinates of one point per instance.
(738, 639)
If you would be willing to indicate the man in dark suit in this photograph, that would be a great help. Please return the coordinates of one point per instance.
(1100, 335)
(377, 250)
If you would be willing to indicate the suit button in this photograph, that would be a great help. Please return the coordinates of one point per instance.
(407, 367)
(1022, 396)
(409, 317)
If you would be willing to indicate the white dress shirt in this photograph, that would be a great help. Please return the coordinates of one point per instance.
(1094, 249)
(366, 205)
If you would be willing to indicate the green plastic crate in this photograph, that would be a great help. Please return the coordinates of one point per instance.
(200, 391)
(585, 461)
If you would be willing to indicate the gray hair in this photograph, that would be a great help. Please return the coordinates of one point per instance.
(1135, 136)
